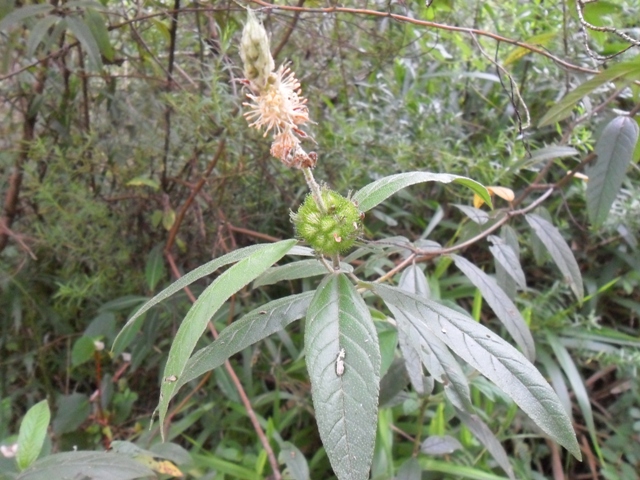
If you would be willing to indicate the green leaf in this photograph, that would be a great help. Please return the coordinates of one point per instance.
(475, 214)
(615, 149)
(413, 280)
(501, 305)
(144, 181)
(73, 410)
(224, 467)
(33, 430)
(560, 252)
(251, 328)
(554, 374)
(486, 437)
(38, 32)
(378, 191)
(186, 280)
(23, 13)
(579, 389)
(346, 403)
(492, 357)
(154, 269)
(93, 465)
(508, 259)
(296, 270)
(82, 351)
(293, 458)
(519, 52)
(95, 22)
(455, 471)
(410, 470)
(440, 445)
(561, 110)
(437, 359)
(191, 328)
(81, 31)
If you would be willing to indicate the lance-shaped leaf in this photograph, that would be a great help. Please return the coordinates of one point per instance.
(560, 252)
(615, 149)
(93, 465)
(501, 304)
(84, 35)
(561, 110)
(437, 359)
(22, 13)
(206, 306)
(578, 386)
(184, 281)
(251, 328)
(508, 259)
(482, 432)
(344, 383)
(492, 357)
(434, 354)
(378, 191)
(413, 281)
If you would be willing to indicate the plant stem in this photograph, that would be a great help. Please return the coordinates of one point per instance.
(316, 191)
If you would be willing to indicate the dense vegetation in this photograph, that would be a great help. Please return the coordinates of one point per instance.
(126, 162)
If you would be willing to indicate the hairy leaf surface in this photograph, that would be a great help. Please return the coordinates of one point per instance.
(615, 149)
(346, 404)
(184, 281)
(501, 304)
(206, 306)
(251, 328)
(378, 191)
(560, 252)
(490, 355)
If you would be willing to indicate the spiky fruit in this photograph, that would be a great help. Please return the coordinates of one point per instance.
(333, 231)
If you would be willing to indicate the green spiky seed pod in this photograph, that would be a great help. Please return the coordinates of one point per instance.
(332, 232)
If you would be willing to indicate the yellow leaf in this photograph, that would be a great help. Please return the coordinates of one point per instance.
(168, 218)
(143, 181)
(502, 192)
(160, 466)
(542, 39)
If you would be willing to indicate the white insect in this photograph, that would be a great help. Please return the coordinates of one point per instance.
(340, 362)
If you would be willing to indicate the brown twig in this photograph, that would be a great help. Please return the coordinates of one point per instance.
(358, 11)
(426, 23)
(285, 37)
(15, 180)
(419, 255)
(556, 460)
(251, 233)
(194, 193)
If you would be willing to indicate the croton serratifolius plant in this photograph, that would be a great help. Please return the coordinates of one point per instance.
(341, 342)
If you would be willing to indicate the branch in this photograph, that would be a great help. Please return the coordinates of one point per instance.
(440, 26)
(15, 180)
(194, 192)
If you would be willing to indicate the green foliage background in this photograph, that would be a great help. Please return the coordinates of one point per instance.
(112, 134)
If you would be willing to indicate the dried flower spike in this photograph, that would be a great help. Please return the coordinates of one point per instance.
(255, 53)
(277, 104)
